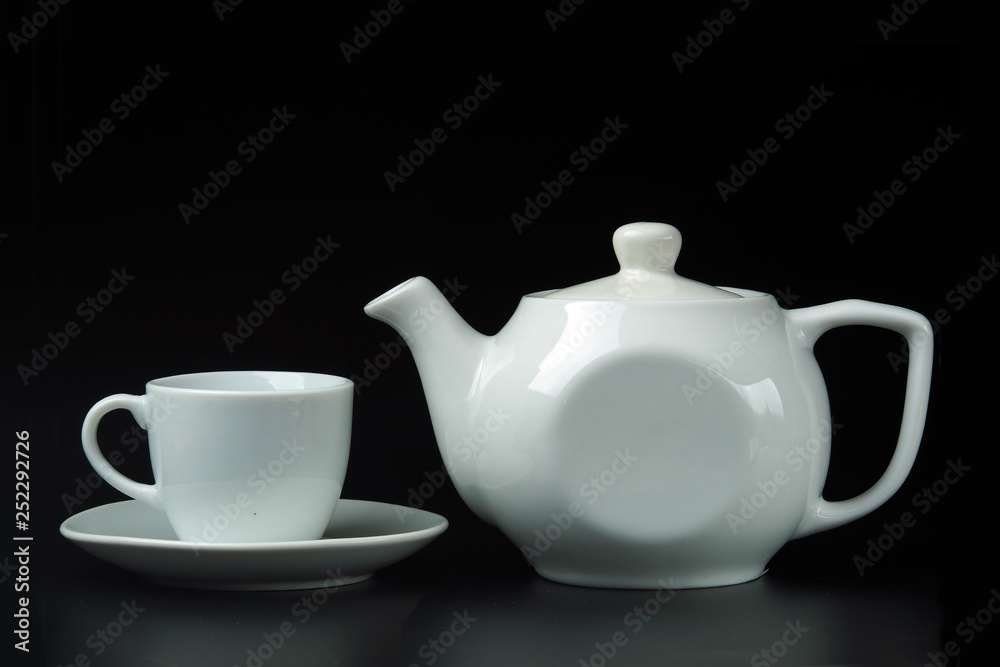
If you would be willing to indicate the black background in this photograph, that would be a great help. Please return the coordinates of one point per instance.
(323, 176)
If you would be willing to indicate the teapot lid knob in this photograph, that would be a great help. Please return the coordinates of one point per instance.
(646, 252)
(647, 246)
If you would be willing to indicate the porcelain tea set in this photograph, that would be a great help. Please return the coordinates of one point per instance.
(630, 430)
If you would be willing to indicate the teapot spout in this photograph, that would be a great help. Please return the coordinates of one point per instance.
(447, 351)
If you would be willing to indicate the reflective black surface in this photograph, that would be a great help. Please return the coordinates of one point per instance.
(408, 616)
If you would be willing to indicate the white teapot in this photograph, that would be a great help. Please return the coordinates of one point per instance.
(645, 428)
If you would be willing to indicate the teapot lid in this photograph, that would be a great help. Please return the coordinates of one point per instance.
(646, 253)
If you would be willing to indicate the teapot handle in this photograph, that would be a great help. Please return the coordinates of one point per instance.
(808, 324)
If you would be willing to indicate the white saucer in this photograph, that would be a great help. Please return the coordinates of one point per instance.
(363, 537)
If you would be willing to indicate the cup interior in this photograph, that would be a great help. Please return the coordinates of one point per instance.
(251, 381)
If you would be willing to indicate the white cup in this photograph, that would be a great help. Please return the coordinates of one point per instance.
(238, 456)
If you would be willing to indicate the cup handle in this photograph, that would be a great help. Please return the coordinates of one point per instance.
(147, 493)
(807, 325)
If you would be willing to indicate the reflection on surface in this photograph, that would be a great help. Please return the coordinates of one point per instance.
(762, 397)
(757, 623)
(350, 625)
(400, 618)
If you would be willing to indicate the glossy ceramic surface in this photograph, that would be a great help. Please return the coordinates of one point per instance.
(361, 538)
(627, 441)
(238, 456)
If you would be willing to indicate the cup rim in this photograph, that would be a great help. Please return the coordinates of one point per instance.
(283, 383)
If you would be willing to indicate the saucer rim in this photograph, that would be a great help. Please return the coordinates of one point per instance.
(76, 535)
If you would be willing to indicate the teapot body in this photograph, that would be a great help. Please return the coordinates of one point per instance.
(644, 430)
(627, 444)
